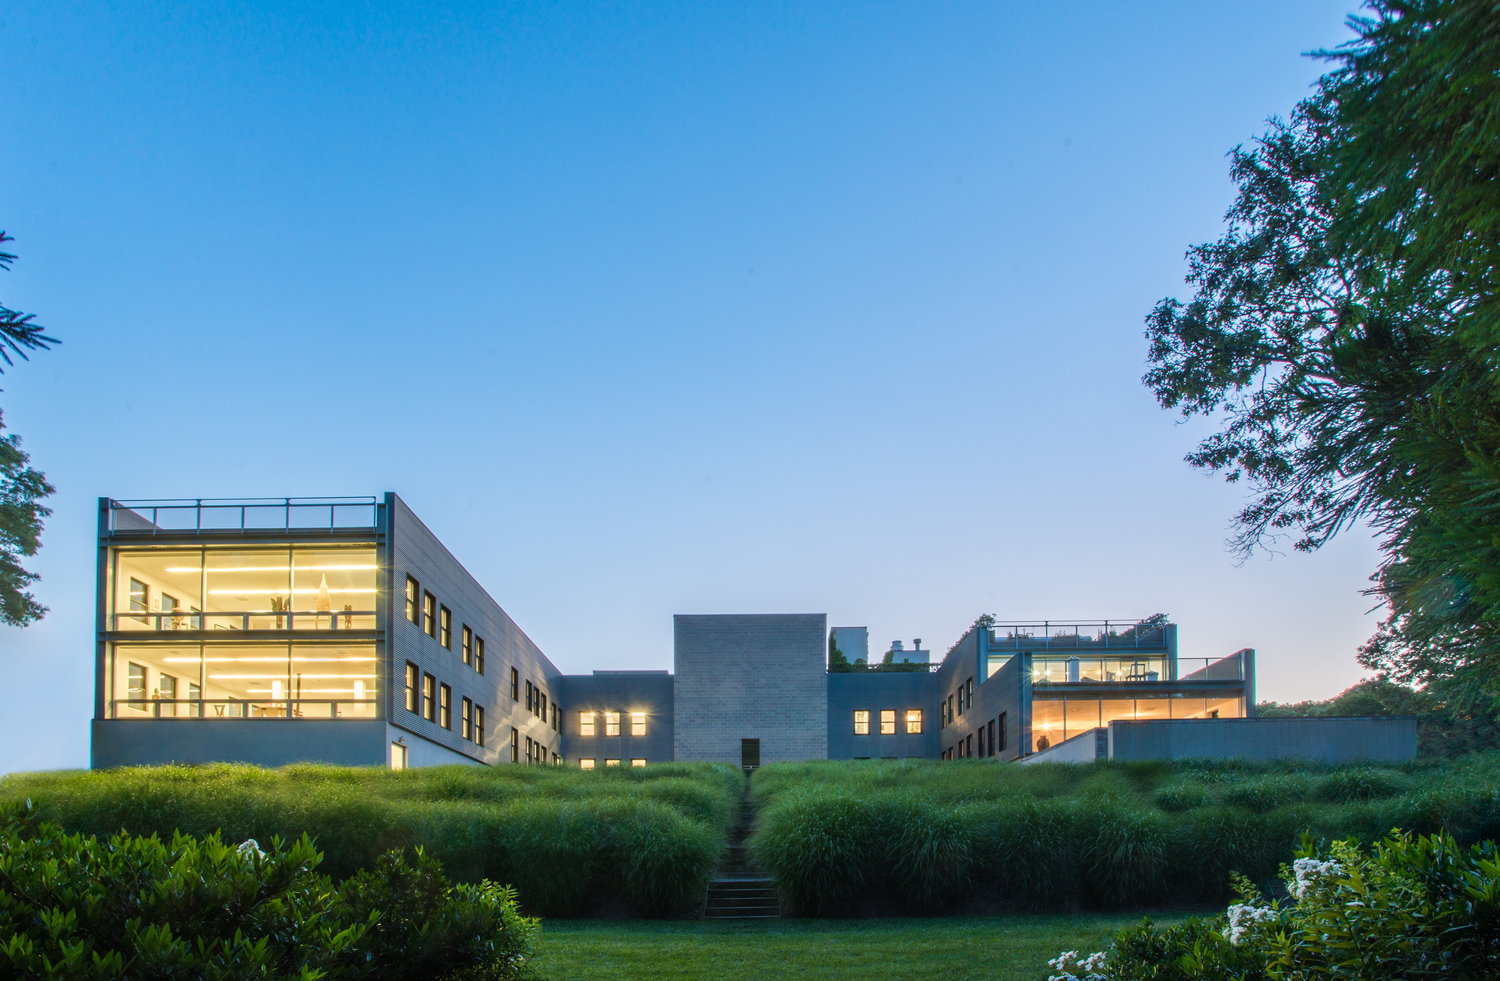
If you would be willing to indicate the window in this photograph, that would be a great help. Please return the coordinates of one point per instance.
(167, 686)
(413, 678)
(969, 745)
(887, 722)
(1000, 733)
(195, 693)
(466, 644)
(467, 708)
(612, 726)
(991, 741)
(140, 595)
(543, 713)
(950, 710)
(970, 697)
(445, 706)
(611, 762)
(479, 726)
(557, 714)
(914, 722)
(981, 742)
(530, 693)
(530, 750)
(585, 723)
(445, 627)
(429, 698)
(479, 654)
(960, 700)
(585, 764)
(861, 722)
(515, 745)
(135, 685)
(637, 724)
(515, 681)
(637, 762)
(412, 590)
(429, 614)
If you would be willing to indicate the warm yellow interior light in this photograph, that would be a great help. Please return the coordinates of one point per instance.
(282, 592)
(274, 568)
(263, 677)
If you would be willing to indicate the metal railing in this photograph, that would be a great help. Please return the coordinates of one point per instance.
(239, 516)
(239, 708)
(1052, 670)
(248, 620)
(1077, 634)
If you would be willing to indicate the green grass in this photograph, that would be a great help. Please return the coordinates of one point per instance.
(951, 949)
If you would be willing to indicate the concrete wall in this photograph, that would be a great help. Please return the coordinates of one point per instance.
(876, 691)
(750, 676)
(1329, 740)
(264, 742)
(416, 551)
(1086, 747)
(623, 692)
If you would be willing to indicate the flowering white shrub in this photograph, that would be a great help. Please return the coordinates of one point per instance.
(250, 847)
(1308, 873)
(1243, 916)
(1072, 968)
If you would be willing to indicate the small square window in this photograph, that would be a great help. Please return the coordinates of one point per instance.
(861, 722)
(412, 592)
(585, 764)
(637, 762)
(612, 725)
(429, 614)
(914, 721)
(611, 762)
(586, 724)
(887, 722)
(638, 726)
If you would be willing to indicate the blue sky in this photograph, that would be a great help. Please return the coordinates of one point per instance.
(652, 309)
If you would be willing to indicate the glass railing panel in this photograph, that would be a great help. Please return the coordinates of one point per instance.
(265, 517)
(354, 516)
(220, 518)
(182, 708)
(310, 516)
(249, 620)
(175, 518)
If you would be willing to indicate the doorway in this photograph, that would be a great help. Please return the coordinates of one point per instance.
(749, 753)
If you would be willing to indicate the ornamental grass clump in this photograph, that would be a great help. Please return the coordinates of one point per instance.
(650, 835)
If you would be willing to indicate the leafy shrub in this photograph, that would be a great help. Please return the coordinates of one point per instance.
(819, 847)
(1360, 784)
(74, 907)
(1415, 908)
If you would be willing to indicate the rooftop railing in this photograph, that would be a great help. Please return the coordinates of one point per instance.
(1065, 670)
(1077, 634)
(243, 708)
(242, 515)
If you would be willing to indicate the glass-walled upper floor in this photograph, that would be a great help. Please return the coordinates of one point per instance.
(238, 680)
(1057, 717)
(280, 587)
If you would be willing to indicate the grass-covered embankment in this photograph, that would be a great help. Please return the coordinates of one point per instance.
(564, 838)
(1012, 948)
(1108, 835)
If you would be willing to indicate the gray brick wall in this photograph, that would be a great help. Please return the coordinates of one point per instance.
(750, 676)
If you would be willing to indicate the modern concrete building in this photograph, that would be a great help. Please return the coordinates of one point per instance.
(342, 630)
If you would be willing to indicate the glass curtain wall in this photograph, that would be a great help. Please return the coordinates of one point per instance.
(243, 680)
(277, 588)
(1065, 716)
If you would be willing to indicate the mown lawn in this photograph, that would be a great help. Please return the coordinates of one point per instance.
(950, 948)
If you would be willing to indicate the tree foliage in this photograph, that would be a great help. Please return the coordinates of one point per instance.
(1344, 332)
(21, 487)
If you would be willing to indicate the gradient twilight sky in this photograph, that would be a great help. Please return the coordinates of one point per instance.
(652, 309)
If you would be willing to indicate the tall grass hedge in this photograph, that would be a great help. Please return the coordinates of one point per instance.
(565, 839)
(933, 835)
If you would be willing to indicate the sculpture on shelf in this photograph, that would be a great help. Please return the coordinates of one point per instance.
(280, 605)
(325, 602)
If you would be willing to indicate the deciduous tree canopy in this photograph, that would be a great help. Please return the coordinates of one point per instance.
(1345, 332)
